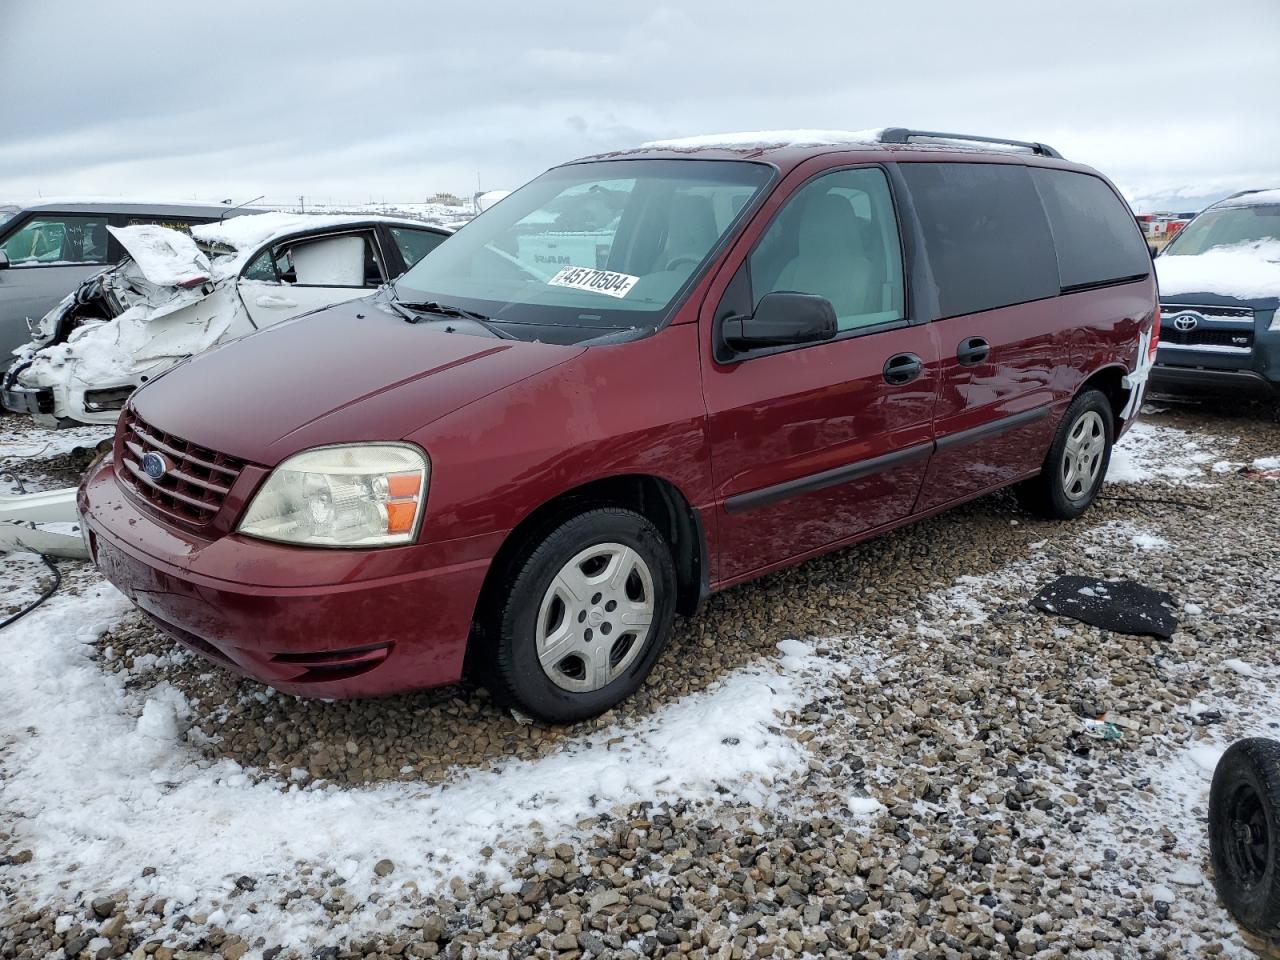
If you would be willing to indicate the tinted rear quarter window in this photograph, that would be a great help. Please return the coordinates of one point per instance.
(1097, 238)
(985, 234)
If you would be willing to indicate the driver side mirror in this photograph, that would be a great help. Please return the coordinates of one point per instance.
(1155, 251)
(782, 319)
(4, 260)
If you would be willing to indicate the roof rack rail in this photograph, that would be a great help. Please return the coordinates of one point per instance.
(1245, 193)
(904, 135)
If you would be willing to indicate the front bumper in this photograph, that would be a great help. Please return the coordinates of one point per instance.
(34, 402)
(311, 622)
(1180, 378)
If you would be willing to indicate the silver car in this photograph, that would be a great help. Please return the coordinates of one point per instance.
(48, 248)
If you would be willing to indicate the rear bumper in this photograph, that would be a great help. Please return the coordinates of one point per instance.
(1208, 380)
(325, 623)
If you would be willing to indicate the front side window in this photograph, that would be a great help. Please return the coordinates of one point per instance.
(589, 247)
(836, 237)
(985, 233)
(1226, 227)
(1097, 239)
(57, 241)
(415, 244)
(347, 260)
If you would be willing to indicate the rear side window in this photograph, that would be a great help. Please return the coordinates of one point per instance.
(415, 244)
(57, 240)
(1097, 239)
(985, 232)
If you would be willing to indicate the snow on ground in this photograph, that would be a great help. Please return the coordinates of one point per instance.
(1158, 452)
(99, 779)
(25, 441)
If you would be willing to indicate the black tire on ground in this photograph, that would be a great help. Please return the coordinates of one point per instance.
(515, 674)
(1244, 833)
(1047, 494)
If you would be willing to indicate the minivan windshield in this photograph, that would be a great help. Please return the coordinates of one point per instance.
(1226, 227)
(589, 248)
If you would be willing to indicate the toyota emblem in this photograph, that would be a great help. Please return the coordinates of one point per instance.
(1186, 321)
(154, 465)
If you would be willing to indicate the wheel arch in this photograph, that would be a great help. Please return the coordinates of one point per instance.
(1110, 380)
(657, 499)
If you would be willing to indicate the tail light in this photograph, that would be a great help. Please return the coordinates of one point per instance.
(1155, 336)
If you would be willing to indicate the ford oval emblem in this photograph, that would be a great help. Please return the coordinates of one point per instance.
(154, 465)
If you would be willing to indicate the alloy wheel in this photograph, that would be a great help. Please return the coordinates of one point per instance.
(1083, 455)
(595, 617)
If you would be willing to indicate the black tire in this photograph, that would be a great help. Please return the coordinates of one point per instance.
(1046, 494)
(516, 676)
(1244, 833)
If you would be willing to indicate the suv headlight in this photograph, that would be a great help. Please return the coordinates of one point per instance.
(355, 495)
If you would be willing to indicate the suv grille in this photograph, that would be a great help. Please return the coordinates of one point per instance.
(1221, 329)
(1203, 336)
(193, 486)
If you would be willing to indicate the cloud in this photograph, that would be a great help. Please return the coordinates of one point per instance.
(400, 99)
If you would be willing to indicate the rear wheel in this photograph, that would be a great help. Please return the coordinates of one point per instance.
(1077, 462)
(583, 616)
(1244, 833)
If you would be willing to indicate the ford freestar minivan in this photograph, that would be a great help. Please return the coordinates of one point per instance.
(641, 378)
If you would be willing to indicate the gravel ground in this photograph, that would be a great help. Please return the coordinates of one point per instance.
(947, 802)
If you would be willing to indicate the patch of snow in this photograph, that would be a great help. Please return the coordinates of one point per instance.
(865, 806)
(1149, 541)
(760, 139)
(1239, 666)
(1155, 452)
(98, 776)
(29, 444)
(1248, 271)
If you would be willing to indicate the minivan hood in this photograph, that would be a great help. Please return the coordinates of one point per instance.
(348, 373)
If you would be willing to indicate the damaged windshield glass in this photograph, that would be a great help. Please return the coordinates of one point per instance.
(590, 247)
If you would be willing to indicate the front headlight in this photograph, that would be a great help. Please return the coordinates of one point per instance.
(358, 495)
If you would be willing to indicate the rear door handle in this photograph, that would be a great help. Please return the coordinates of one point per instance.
(902, 368)
(972, 351)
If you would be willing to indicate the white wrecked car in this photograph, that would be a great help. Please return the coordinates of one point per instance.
(178, 295)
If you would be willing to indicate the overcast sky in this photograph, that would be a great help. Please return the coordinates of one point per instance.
(396, 100)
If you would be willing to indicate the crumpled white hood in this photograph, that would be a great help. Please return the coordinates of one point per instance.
(159, 321)
(166, 257)
(1248, 271)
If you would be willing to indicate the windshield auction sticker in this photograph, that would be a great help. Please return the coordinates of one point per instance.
(596, 281)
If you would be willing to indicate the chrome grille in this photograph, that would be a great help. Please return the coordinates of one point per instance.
(195, 482)
(1213, 328)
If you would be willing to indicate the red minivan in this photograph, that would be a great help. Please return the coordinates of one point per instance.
(643, 377)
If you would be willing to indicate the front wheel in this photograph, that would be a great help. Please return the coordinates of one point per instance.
(583, 616)
(1077, 461)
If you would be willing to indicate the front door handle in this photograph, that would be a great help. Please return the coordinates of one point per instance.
(972, 351)
(902, 368)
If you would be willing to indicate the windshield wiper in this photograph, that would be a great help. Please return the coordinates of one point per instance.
(413, 313)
